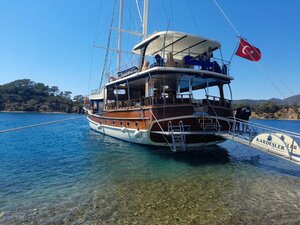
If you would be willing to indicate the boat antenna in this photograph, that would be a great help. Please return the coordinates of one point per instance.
(107, 46)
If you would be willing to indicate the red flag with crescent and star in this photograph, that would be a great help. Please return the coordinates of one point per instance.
(248, 51)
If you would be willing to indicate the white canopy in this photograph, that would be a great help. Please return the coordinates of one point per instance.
(177, 42)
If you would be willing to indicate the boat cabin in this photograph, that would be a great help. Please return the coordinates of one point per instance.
(174, 68)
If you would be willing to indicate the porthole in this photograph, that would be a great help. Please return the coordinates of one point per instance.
(121, 123)
(128, 123)
(113, 122)
(136, 123)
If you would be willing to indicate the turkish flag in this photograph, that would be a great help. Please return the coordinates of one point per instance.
(248, 51)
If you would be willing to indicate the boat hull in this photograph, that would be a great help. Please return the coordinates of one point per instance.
(144, 136)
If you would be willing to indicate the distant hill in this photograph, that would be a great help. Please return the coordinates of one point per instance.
(274, 108)
(295, 99)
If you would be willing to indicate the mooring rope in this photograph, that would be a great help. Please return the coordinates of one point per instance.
(39, 124)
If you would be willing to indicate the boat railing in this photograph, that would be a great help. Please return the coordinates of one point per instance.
(214, 101)
(124, 70)
(95, 91)
(214, 64)
(248, 129)
(179, 99)
(148, 101)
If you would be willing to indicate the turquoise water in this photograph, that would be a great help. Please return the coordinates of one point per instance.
(67, 174)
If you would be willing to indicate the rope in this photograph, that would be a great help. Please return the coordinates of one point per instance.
(161, 129)
(139, 10)
(108, 44)
(272, 82)
(257, 63)
(39, 124)
(193, 16)
(221, 10)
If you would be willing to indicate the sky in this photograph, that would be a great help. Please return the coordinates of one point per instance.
(53, 41)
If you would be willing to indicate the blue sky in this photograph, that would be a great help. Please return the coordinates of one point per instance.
(52, 41)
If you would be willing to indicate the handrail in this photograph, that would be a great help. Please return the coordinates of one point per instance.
(217, 121)
(181, 127)
(271, 128)
(258, 126)
(126, 66)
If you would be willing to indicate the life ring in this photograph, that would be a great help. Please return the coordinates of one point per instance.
(111, 79)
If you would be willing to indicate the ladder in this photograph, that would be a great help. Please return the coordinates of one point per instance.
(178, 136)
(210, 124)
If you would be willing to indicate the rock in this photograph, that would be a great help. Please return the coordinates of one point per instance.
(2, 214)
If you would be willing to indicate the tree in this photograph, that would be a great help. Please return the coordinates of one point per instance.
(27, 95)
(78, 98)
(53, 91)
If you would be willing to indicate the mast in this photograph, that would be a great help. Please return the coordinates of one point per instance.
(120, 35)
(120, 30)
(145, 20)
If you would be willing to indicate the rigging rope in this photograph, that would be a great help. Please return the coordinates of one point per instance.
(108, 44)
(257, 63)
(39, 124)
(193, 16)
(231, 24)
(139, 11)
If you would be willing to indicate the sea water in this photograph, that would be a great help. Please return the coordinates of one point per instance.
(65, 173)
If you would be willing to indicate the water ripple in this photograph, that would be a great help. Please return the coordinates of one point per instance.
(67, 174)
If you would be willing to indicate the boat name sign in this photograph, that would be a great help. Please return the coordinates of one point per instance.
(277, 143)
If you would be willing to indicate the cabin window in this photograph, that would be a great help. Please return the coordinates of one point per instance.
(128, 123)
(121, 123)
(136, 123)
(113, 122)
(119, 92)
(213, 91)
(227, 92)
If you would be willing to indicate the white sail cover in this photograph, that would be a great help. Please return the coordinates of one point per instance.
(177, 42)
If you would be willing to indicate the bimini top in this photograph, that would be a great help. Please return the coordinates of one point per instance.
(177, 42)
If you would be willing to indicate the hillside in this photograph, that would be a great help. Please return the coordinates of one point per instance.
(27, 95)
(287, 101)
(287, 108)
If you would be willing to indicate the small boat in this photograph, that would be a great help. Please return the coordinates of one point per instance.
(171, 97)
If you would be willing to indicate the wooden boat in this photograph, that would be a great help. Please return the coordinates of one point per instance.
(170, 97)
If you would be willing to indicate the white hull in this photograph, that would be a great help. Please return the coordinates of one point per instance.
(138, 137)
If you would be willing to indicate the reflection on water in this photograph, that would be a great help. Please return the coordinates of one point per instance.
(64, 174)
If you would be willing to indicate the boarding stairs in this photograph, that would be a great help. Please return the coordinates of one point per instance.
(279, 142)
(209, 124)
(177, 133)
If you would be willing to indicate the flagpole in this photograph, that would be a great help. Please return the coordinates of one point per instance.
(236, 46)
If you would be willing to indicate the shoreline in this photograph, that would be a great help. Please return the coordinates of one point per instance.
(255, 118)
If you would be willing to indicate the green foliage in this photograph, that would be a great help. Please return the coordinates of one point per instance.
(27, 95)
